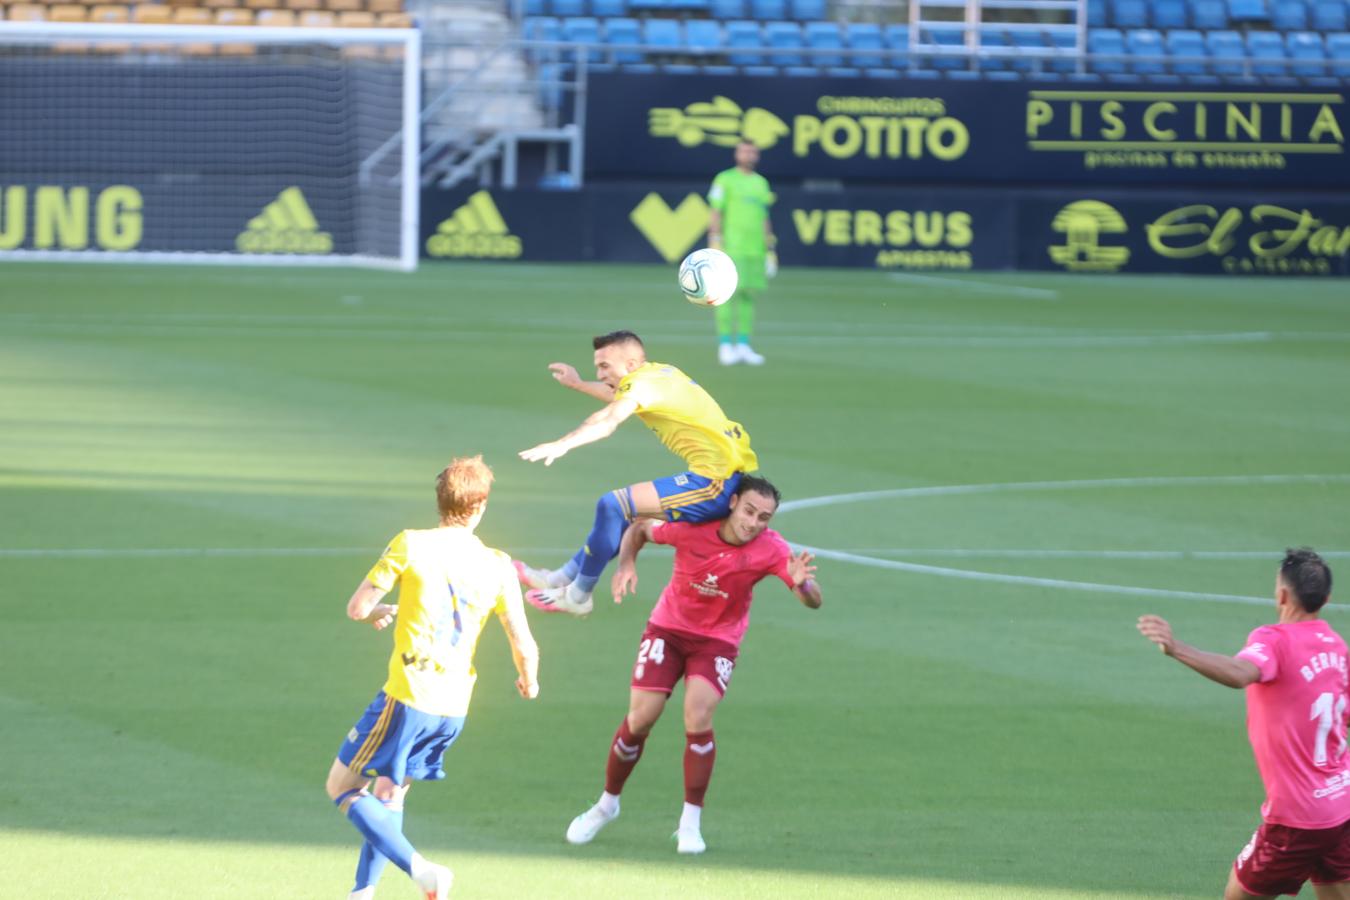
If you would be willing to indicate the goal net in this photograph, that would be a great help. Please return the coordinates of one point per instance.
(209, 143)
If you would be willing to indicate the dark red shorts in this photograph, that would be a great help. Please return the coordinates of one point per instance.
(665, 657)
(1279, 859)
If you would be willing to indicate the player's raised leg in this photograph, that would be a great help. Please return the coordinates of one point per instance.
(569, 588)
(644, 708)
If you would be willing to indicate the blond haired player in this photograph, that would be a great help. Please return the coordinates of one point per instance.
(686, 419)
(449, 584)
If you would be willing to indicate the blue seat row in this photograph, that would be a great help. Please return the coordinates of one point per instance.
(1283, 15)
(1226, 53)
(867, 46)
(763, 10)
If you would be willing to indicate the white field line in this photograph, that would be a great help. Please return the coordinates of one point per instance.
(949, 490)
(983, 287)
(1031, 581)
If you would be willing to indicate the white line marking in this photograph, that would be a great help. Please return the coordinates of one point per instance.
(1036, 553)
(983, 287)
(998, 578)
(1087, 484)
(968, 575)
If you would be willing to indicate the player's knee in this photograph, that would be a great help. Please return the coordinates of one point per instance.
(640, 721)
(698, 719)
(609, 508)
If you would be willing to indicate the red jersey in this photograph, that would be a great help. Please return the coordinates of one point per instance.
(710, 591)
(1296, 720)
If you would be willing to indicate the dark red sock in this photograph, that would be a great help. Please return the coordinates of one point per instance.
(700, 751)
(624, 754)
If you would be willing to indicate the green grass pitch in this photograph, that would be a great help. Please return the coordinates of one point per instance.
(198, 465)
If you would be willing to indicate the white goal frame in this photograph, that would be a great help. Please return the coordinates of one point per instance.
(38, 34)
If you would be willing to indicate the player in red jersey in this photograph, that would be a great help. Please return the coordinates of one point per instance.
(694, 633)
(1297, 700)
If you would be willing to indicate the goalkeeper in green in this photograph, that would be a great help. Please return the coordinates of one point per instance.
(740, 199)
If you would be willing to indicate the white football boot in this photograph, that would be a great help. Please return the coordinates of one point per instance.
(561, 600)
(727, 355)
(747, 355)
(586, 826)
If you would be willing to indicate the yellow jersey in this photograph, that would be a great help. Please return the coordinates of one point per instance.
(688, 421)
(449, 583)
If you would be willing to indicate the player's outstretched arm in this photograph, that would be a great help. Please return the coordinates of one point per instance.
(625, 577)
(803, 579)
(1226, 670)
(524, 650)
(567, 376)
(598, 426)
(365, 606)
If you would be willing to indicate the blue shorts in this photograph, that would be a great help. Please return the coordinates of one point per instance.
(696, 498)
(399, 742)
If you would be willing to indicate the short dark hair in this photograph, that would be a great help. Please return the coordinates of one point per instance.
(761, 486)
(1308, 576)
(616, 337)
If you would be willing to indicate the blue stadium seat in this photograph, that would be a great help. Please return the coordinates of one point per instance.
(679, 69)
(784, 36)
(897, 38)
(1097, 17)
(688, 5)
(623, 31)
(996, 40)
(584, 30)
(1330, 16)
(1338, 48)
(663, 33)
(843, 72)
(760, 71)
(563, 8)
(1170, 14)
(1002, 75)
(728, 9)
(605, 9)
(1064, 41)
(1226, 45)
(646, 5)
(808, 10)
(535, 8)
(866, 36)
(1184, 43)
(720, 70)
(1266, 48)
(768, 10)
(1027, 40)
(1248, 11)
(1147, 45)
(541, 28)
(1209, 15)
(1289, 15)
(1307, 45)
(704, 34)
(824, 36)
(801, 71)
(947, 37)
(638, 69)
(1109, 42)
(744, 34)
(1130, 14)
(881, 73)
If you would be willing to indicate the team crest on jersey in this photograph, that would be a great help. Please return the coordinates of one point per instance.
(681, 480)
(708, 587)
(353, 735)
(724, 669)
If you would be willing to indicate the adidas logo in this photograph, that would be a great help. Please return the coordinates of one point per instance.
(286, 225)
(475, 231)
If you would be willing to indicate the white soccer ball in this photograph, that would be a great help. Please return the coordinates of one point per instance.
(708, 277)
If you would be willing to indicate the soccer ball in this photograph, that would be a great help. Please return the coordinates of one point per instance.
(708, 277)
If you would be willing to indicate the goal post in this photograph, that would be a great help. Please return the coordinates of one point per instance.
(213, 144)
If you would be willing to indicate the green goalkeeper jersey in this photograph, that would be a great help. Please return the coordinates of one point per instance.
(743, 199)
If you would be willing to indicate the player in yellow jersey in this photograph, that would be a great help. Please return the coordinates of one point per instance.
(685, 418)
(449, 583)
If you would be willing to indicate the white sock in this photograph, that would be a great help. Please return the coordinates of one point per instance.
(417, 865)
(608, 803)
(366, 893)
(692, 817)
(555, 578)
(576, 594)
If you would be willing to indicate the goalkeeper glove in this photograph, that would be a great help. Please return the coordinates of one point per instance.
(771, 264)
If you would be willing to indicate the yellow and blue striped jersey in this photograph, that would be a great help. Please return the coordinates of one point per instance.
(688, 421)
(449, 583)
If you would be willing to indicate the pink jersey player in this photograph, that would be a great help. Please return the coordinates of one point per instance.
(1296, 681)
(694, 634)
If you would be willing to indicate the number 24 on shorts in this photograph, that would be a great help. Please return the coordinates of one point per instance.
(653, 649)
